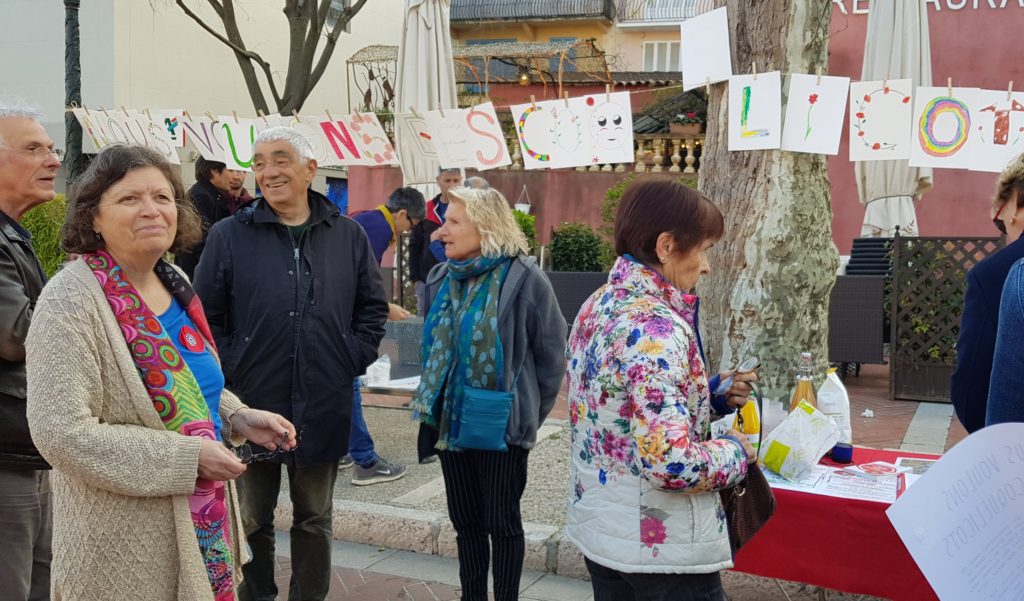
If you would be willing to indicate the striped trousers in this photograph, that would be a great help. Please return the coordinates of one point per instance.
(484, 489)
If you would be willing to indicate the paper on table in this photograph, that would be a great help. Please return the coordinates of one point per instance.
(963, 521)
(850, 486)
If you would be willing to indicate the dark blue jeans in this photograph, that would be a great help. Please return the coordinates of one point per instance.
(612, 585)
(360, 445)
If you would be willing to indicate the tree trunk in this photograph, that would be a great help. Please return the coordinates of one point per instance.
(74, 161)
(772, 274)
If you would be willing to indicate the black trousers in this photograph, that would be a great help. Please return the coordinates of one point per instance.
(612, 585)
(484, 489)
(311, 489)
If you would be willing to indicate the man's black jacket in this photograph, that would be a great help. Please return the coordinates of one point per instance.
(294, 325)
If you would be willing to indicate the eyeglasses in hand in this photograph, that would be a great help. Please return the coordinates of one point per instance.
(250, 453)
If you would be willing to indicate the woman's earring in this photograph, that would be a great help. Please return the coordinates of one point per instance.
(1013, 220)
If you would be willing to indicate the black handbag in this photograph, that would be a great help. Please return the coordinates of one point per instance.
(750, 503)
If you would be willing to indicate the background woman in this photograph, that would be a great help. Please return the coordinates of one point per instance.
(969, 386)
(127, 400)
(644, 507)
(493, 324)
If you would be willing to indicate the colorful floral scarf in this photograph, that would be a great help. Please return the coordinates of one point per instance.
(176, 397)
(461, 327)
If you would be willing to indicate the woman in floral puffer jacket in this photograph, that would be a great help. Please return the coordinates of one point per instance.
(644, 506)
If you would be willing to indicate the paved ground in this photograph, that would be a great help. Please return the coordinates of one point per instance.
(411, 513)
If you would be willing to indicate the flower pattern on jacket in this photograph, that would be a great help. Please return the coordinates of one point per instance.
(640, 406)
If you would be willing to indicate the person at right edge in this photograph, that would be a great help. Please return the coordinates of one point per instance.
(646, 472)
(495, 316)
(980, 320)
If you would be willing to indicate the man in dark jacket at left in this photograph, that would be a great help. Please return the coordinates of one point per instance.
(297, 306)
(28, 170)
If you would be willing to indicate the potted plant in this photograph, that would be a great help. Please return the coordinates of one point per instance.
(687, 124)
(577, 270)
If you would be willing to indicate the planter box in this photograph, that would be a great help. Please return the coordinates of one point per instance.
(573, 288)
(684, 129)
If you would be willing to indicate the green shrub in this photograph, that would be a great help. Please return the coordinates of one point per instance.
(527, 223)
(575, 247)
(44, 222)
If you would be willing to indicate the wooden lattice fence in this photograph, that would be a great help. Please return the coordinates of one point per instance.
(929, 278)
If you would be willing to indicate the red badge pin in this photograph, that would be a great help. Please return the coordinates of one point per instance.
(191, 339)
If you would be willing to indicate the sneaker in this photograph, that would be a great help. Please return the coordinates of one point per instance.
(346, 462)
(428, 459)
(382, 471)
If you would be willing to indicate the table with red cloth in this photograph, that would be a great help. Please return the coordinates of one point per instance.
(843, 544)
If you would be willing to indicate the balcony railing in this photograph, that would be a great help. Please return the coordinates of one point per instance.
(465, 11)
(654, 11)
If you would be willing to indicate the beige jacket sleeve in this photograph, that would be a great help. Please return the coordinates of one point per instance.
(81, 405)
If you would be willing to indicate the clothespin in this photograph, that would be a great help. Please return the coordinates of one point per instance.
(707, 87)
(124, 110)
(187, 116)
(533, 101)
(295, 113)
(1009, 91)
(210, 117)
(949, 86)
(105, 113)
(148, 116)
(412, 110)
(441, 109)
(235, 115)
(819, 76)
(753, 69)
(262, 116)
(329, 117)
(607, 92)
(86, 111)
(565, 95)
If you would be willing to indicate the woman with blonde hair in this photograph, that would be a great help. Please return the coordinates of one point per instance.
(493, 362)
(975, 348)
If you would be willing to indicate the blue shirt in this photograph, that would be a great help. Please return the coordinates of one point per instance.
(204, 367)
(377, 229)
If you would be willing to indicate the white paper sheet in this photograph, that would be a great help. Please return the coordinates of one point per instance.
(705, 52)
(814, 113)
(880, 115)
(942, 133)
(963, 521)
(755, 111)
(170, 120)
(997, 123)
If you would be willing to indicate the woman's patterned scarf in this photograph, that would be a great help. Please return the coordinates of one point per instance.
(176, 397)
(461, 327)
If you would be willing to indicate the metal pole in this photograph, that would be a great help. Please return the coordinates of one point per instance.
(74, 162)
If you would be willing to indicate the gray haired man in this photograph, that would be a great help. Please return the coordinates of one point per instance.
(296, 303)
(28, 170)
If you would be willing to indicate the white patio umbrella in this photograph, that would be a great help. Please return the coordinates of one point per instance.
(897, 47)
(426, 73)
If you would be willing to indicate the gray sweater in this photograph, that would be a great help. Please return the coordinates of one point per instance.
(533, 334)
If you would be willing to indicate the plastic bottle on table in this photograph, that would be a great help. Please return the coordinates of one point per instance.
(804, 383)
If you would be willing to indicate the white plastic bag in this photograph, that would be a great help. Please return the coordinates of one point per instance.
(835, 403)
(799, 442)
(379, 372)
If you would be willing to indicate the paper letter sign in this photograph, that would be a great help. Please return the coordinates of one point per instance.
(814, 114)
(706, 56)
(755, 111)
(942, 128)
(880, 114)
(998, 129)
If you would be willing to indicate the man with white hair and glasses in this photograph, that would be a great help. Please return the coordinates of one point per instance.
(28, 170)
(296, 303)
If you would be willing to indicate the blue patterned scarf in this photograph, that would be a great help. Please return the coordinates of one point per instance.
(461, 327)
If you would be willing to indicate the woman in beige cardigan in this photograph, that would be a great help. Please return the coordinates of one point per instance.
(127, 400)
